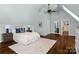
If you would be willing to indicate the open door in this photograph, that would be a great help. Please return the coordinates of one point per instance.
(65, 28)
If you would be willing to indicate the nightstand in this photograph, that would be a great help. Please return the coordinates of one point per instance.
(6, 37)
(29, 30)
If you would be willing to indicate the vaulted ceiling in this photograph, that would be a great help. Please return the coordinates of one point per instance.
(74, 8)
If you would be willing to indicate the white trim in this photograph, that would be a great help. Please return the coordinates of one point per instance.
(71, 13)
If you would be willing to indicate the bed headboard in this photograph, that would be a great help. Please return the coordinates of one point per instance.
(20, 30)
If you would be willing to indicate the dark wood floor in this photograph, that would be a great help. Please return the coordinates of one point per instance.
(4, 48)
(64, 45)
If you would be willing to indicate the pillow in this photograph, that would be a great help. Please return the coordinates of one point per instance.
(20, 30)
(26, 38)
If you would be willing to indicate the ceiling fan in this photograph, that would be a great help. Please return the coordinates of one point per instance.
(50, 9)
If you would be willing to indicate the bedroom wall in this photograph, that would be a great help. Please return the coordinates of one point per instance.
(44, 29)
(17, 14)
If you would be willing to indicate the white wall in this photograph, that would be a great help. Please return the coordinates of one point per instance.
(17, 14)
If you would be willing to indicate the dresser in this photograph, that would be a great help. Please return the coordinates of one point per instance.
(6, 37)
(7, 40)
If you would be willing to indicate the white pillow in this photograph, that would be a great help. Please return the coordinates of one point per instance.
(26, 38)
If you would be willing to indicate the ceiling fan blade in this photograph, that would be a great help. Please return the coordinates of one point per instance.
(53, 11)
(50, 8)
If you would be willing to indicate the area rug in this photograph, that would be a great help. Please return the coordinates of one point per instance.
(42, 46)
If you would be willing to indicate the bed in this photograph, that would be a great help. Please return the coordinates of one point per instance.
(31, 43)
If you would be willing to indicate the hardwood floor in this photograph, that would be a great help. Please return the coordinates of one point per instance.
(4, 48)
(64, 45)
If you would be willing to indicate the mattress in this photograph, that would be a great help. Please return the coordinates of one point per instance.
(41, 46)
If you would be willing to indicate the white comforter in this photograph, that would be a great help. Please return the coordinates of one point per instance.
(41, 46)
(26, 38)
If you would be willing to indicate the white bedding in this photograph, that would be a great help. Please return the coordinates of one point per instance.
(26, 38)
(41, 46)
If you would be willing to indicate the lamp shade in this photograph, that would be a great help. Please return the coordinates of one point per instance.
(29, 26)
(7, 26)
